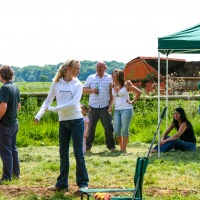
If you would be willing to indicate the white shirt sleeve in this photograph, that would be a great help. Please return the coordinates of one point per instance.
(88, 82)
(47, 102)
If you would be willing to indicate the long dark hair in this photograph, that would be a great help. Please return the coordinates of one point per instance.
(183, 119)
(120, 76)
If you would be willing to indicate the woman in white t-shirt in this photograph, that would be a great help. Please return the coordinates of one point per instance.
(123, 109)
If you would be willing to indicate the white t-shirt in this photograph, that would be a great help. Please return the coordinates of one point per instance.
(120, 99)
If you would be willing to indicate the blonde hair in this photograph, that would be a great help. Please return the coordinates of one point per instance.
(63, 69)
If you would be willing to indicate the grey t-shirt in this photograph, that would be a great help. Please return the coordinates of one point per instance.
(10, 94)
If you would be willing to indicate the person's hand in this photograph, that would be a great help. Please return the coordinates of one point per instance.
(129, 83)
(110, 109)
(129, 102)
(36, 121)
(162, 142)
(95, 91)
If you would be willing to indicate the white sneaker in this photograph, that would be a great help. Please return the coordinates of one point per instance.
(54, 188)
(83, 188)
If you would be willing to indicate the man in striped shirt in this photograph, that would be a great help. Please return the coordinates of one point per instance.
(100, 105)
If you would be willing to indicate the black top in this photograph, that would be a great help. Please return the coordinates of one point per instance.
(188, 136)
(10, 94)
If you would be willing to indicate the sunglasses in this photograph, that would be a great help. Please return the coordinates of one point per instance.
(115, 73)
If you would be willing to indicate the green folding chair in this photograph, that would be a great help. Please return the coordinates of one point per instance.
(136, 192)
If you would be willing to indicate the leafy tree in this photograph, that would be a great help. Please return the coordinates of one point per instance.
(43, 78)
(34, 73)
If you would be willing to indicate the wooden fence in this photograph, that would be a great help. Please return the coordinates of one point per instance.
(42, 95)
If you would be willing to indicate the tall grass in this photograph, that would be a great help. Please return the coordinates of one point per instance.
(33, 86)
(142, 128)
(143, 124)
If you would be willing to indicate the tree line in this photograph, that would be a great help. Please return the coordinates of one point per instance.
(35, 73)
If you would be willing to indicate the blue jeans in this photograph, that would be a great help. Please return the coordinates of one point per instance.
(122, 120)
(67, 129)
(8, 151)
(177, 145)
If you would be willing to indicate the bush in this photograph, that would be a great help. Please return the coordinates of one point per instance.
(143, 125)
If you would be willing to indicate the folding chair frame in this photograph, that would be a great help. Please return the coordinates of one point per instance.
(141, 166)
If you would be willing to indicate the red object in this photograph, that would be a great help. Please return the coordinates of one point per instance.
(143, 75)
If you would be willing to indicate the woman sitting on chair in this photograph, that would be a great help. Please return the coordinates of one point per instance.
(183, 140)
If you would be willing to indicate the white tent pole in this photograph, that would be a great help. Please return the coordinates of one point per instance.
(158, 103)
(167, 86)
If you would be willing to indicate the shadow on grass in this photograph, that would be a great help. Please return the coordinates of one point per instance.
(178, 156)
(106, 153)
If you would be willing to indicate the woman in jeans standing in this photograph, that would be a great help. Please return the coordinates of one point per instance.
(183, 140)
(68, 91)
(123, 110)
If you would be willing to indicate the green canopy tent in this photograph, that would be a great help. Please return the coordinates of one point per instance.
(184, 42)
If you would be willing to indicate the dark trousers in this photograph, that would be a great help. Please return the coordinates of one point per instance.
(8, 151)
(94, 115)
(177, 145)
(72, 129)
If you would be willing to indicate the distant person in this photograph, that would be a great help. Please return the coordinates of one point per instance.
(9, 106)
(98, 85)
(183, 140)
(84, 111)
(68, 91)
(123, 107)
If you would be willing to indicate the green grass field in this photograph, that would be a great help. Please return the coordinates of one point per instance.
(175, 175)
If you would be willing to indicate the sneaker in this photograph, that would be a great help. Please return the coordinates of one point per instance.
(15, 176)
(54, 188)
(83, 188)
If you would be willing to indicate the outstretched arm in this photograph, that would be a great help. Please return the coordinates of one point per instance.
(167, 132)
(181, 130)
(46, 103)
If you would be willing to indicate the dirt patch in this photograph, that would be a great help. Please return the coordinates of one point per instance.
(159, 192)
(17, 191)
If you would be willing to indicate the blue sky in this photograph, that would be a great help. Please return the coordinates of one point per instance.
(39, 32)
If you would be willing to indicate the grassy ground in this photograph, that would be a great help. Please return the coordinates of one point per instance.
(175, 175)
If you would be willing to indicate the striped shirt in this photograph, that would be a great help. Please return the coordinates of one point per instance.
(103, 98)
